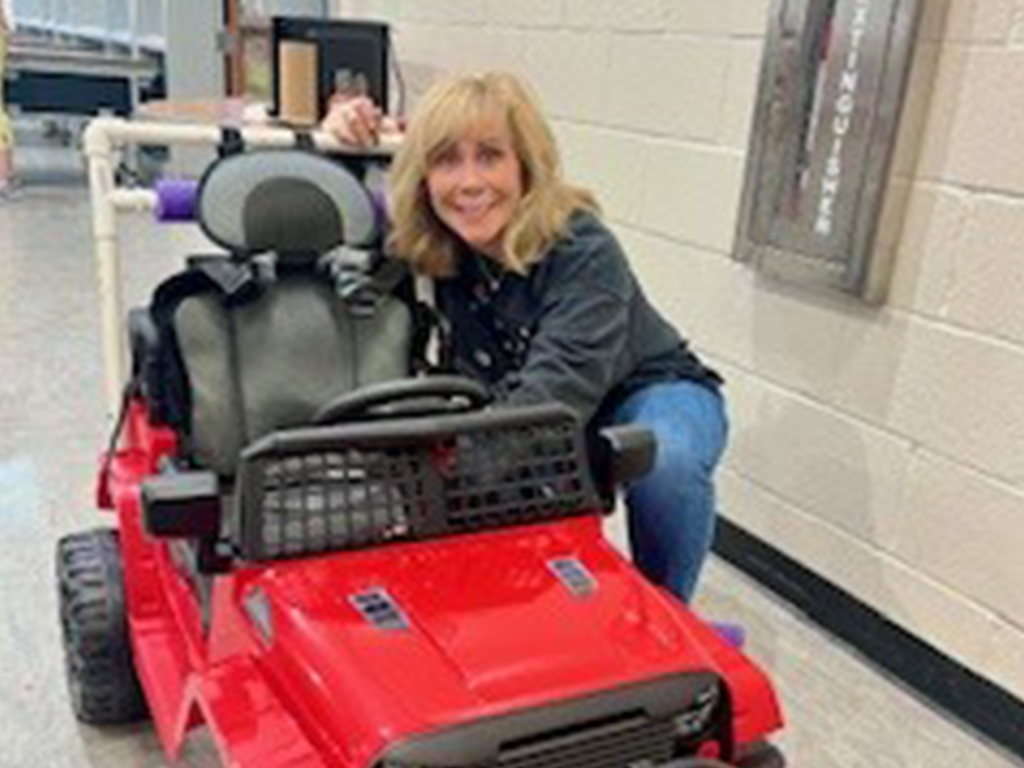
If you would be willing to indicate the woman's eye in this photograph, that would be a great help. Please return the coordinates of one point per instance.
(491, 154)
(446, 159)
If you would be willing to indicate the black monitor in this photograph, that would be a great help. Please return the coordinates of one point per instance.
(349, 54)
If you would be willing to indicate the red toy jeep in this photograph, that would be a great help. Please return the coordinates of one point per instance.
(330, 565)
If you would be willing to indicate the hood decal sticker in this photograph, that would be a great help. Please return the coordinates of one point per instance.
(378, 608)
(574, 575)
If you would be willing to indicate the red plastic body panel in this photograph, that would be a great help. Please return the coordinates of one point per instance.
(491, 630)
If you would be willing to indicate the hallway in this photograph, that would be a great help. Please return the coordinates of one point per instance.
(841, 713)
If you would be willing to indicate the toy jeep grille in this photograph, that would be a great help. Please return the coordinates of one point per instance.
(365, 484)
(631, 726)
(618, 744)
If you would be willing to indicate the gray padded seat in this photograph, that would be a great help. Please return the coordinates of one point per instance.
(271, 363)
(271, 360)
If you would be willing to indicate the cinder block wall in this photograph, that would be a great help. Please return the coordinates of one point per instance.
(883, 448)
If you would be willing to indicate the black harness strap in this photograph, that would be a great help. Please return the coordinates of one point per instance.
(236, 280)
(304, 140)
(231, 142)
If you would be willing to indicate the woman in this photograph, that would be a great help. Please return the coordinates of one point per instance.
(6, 135)
(541, 302)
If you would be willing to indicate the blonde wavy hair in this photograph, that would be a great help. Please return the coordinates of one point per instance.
(449, 111)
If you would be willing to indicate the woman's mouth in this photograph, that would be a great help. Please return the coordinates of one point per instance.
(473, 210)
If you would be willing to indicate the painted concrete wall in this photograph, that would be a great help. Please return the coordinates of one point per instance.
(883, 448)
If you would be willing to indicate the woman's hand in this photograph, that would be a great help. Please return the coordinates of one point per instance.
(359, 122)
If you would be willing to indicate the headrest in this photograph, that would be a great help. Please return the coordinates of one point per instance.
(289, 201)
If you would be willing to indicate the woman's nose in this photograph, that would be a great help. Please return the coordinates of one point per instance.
(469, 176)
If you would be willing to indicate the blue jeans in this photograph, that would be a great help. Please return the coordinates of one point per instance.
(672, 509)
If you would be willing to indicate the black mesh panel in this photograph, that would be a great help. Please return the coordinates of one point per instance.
(361, 485)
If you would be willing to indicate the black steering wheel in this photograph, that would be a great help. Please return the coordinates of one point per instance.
(406, 398)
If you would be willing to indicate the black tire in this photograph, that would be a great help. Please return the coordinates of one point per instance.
(101, 676)
(762, 755)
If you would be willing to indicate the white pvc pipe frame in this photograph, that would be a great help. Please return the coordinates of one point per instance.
(103, 140)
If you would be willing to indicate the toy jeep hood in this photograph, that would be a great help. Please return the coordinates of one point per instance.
(514, 634)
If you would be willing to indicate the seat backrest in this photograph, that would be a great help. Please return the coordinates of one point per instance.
(265, 336)
(272, 361)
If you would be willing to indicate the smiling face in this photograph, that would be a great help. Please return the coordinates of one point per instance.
(475, 185)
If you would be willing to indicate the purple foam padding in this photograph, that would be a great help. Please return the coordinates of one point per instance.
(380, 208)
(733, 634)
(176, 200)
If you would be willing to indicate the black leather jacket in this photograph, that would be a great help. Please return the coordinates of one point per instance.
(576, 329)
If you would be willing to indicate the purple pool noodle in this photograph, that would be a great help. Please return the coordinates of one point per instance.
(176, 200)
(380, 209)
(733, 634)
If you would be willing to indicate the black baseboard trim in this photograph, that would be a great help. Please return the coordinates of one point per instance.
(946, 683)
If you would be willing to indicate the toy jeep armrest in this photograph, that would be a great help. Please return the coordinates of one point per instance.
(182, 505)
(628, 453)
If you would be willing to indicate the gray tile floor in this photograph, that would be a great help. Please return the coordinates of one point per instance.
(842, 713)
